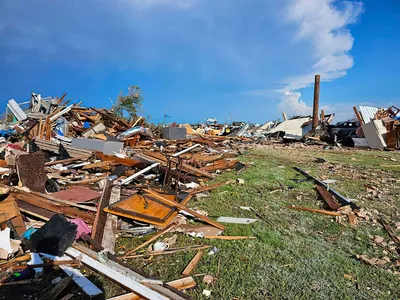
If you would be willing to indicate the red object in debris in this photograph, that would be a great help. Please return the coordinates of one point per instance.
(77, 194)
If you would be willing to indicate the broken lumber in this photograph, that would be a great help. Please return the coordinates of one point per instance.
(68, 160)
(110, 226)
(180, 285)
(152, 239)
(169, 251)
(71, 262)
(101, 216)
(193, 263)
(57, 290)
(190, 211)
(328, 198)
(319, 211)
(391, 233)
(115, 276)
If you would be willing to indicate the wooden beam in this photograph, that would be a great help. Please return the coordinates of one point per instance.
(101, 216)
(85, 284)
(87, 181)
(110, 227)
(14, 261)
(185, 167)
(190, 211)
(180, 284)
(68, 160)
(284, 116)
(115, 276)
(193, 263)
(53, 206)
(359, 118)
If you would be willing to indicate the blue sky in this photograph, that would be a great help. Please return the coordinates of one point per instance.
(251, 59)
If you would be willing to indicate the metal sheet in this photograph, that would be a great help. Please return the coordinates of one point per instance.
(367, 112)
(16, 110)
(293, 128)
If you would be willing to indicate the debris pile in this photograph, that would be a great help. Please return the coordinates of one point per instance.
(74, 178)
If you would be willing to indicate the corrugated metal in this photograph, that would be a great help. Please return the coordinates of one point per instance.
(367, 112)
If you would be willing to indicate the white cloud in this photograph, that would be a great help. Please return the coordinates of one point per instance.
(292, 105)
(323, 23)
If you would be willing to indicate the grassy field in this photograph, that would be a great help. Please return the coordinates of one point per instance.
(297, 254)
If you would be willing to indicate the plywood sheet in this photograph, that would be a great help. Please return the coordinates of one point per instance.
(147, 208)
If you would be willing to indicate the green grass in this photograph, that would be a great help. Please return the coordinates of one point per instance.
(297, 255)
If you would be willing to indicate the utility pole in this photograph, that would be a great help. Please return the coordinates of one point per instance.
(316, 102)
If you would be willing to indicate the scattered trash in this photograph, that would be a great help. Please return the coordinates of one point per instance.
(207, 293)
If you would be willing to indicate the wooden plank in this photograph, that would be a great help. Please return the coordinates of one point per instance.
(359, 118)
(31, 210)
(57, 290)
(85, 284)
(53, 206)
(120, 161)
(319, 211)
(14, 261)
(114, 263)
(10, 211)
(67, 297)
(101, 216)
(115, 276)
(87, 181)
(68, 160)
(220, 165)
(169, 251)
(110, 227)
(185, 167)
(72, 262)
(106, 165)
(21, 282)
(48, 128)
(179, 284)
(193, 263)
(391, 233)
(206, 188)
(40, 127)
(328, 198)
(190, 211)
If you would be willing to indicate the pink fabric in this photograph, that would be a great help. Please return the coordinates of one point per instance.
(82, 227)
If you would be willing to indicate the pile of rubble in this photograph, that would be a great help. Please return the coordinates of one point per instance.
(73, 178)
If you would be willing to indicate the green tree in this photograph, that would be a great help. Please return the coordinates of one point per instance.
(127, 106)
